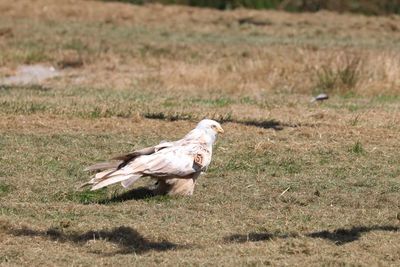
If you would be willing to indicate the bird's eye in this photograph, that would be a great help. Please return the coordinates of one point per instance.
(213, 126)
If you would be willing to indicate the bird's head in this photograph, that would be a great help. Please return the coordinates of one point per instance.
(210, 126)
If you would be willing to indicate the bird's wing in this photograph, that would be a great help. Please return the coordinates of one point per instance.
(177, 161)
(122, 160)
(125, 159)
(181, 158)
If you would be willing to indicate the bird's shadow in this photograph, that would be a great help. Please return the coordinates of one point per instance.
(338, 236)
(140, 193)
(126, 238)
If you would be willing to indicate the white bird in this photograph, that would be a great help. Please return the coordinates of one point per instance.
(175, 165)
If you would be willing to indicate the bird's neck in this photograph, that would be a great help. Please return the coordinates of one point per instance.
(203, 136)
(209, 139)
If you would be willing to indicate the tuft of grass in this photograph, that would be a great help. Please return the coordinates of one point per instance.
(340, 79)
(355, 120)
(357, 149)
(326, 80)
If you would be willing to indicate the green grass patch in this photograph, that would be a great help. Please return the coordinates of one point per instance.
(218, 102)
(87, 197)
(357, 149)
(290, 166)
(4, 189)
(387, 99)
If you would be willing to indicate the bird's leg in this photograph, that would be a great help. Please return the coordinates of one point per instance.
(160, 187)
(175, 187)
(182, 187)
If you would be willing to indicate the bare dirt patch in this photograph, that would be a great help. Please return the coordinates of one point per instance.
(34, 74)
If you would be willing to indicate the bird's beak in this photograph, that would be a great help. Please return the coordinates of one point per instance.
(220, 130)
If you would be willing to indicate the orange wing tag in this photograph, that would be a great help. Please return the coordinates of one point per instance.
(198, 159)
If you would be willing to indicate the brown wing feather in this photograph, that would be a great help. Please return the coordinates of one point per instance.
(136, 153)
(122, 160)
(131, 156)
(103, 166)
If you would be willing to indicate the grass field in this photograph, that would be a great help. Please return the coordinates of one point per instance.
(291, 182)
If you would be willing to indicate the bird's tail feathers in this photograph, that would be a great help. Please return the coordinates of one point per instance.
(128, 178)
(113, 176)
(97, 178)
(130, 181)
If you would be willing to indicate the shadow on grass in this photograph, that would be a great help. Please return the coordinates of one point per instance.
(265, 124)
(342, 236)
(338, 237)
(34, 87)
(254, 237)
(127, 239)
(134, 194)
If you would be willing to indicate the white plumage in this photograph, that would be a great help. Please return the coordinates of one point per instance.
(174, 164)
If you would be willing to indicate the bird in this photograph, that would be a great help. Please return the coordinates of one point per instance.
(174, 165)
(320, 97)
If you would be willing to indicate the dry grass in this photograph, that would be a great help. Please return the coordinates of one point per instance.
(130, 71)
